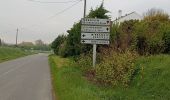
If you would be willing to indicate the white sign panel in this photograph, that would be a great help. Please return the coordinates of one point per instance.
(95, 29)
(95, 36)
(95, 41)
(93, 21)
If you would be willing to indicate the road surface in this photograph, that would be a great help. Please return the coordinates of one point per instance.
(26, 78)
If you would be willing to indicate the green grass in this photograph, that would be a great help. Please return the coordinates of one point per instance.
(8, 53)
(151, 83)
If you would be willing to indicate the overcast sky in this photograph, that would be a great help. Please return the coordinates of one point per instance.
(43, 21)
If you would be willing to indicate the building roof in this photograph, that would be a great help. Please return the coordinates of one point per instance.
(125, 16)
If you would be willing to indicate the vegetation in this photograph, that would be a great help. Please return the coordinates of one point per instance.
(58, 45)
(150, 33)
(8, 53)
(166, 39)
(116, 69)
(150, 81)
(71, 44)
(116, 63)
(35, 48)
(38, 46)
(148, 36)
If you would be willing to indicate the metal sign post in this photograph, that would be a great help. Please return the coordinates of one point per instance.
(94, 54)
(95, 31)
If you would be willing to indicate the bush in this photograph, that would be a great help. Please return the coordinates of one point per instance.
(62, 50)
(57, 43)
(117, 68)
(150, 37)
(123, 36)
(150, 32)
(166, 39)
(84, 61)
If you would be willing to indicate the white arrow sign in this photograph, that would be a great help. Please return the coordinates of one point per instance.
(95, 29)
(93, 21)
(93, 36)
(95, 41)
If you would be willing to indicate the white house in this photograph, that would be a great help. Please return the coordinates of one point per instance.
(126, 17)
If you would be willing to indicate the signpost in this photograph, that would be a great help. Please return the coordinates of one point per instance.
(95, 31)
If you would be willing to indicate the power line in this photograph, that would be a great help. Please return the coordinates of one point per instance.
(65, 9)
(50, 17)
(71, 1)
(62, 11)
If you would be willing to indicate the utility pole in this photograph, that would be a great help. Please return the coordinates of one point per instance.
(94, 45)
(0, 42)
(84, 8)
(17, 37)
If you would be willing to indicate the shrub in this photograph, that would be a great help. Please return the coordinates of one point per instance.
(84, 61)
(166, 39)
(149, 32)
(57, 43)
(117, 68)
(150, 37)
(123, 36)
(62, 50)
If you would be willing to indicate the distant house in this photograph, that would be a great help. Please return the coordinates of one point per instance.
(126, 17)
(26, 44)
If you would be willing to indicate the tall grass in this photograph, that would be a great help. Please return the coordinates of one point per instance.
(7, 53)
(151, 81)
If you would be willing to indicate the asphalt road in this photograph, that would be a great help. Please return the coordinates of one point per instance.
(26, 78)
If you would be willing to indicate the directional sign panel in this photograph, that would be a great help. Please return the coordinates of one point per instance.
(93, 21)
(95, 41)
(95, 29)
(95, 36)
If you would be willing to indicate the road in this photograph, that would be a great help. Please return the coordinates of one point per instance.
(26, 78)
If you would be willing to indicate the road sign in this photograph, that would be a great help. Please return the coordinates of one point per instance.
(95, 29)
(92, 21)
(95, 41)
(93, 36)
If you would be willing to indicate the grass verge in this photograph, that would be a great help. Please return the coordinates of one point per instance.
(8, 53)
(151, 82)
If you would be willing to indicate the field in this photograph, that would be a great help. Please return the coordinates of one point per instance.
(151, 82)
(8, 53)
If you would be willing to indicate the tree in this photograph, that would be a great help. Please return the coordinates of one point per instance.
(39, 42)
(156, 15)
(151, 31)
(99, 12)
(56, 44)
(73, 45)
